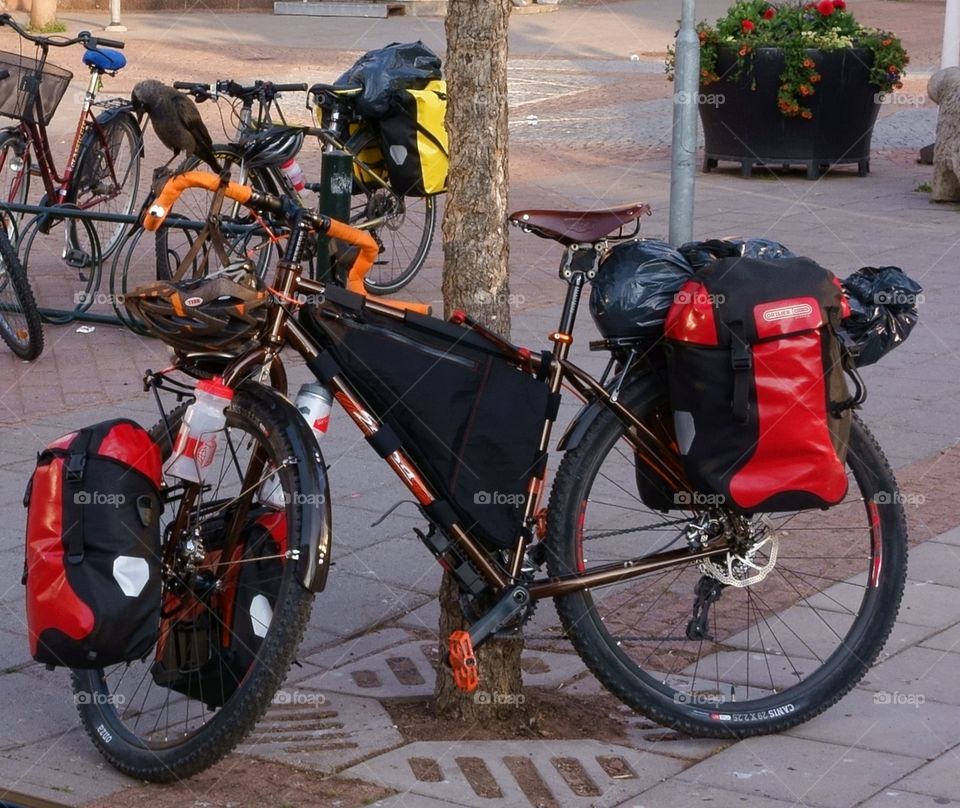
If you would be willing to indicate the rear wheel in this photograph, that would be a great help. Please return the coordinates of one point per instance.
(225, 644)
(173, 244)
(20, 324)
(724, 651)
(107, 177)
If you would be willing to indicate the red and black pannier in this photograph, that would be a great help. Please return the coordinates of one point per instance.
(92, 570)
(756, 374)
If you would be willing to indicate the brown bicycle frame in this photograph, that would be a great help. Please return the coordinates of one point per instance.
(283, 330)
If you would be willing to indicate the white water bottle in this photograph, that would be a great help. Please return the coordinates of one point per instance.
(314, 402)
(292, 171)
(196, 444)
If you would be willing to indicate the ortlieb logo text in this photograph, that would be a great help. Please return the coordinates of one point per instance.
(788, 312)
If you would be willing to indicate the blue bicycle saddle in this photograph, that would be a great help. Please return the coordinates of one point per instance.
(107, 60)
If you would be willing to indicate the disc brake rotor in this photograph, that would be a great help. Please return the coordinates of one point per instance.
(743, 569)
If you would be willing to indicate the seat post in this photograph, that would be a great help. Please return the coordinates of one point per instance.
(579, 265)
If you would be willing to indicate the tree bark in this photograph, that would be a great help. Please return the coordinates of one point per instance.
(42, 13)
(475, 251)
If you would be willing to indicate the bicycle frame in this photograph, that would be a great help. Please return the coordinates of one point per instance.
(281, 330)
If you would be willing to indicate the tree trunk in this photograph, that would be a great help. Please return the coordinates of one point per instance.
(42, 13)
(475, 251)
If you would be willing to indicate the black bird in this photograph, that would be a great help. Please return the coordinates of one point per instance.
(175, 119)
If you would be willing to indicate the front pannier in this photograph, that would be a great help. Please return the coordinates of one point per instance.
(445, 391)
(761, 406)
(93, 547)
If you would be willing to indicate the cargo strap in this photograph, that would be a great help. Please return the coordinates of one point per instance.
(741, 359)
(74, 466)
(463, 663)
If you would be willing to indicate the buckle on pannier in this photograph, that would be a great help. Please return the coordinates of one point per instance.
(740, 356)
(75, 465)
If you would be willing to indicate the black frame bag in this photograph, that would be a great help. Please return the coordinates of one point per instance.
(92, 570)
(756, 375)
(443, 390)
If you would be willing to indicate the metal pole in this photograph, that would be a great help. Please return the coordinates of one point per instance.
(115, 24)
(336, 184)
(684, 154)
(950, 55)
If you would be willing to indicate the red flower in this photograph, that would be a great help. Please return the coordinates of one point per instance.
(771, 12)
(808, 63)
(747, 26)
(826, 7)
(840, 5)
(886, 42)
(807, 114)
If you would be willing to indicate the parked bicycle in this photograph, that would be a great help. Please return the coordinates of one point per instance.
(265, 150)
(774, 638)
(102, 171)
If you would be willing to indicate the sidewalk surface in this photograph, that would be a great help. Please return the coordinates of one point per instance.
(590, 127)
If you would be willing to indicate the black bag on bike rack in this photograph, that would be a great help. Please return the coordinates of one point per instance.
(469, 420)
(92, 569)
(205, 649)
(757, 385)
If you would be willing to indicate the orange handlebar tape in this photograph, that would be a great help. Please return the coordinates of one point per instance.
(175, 186)
(369, 250)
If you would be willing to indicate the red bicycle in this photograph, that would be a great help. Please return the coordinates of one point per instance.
(103, 167)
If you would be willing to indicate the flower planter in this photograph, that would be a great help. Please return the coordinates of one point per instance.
(745, 126)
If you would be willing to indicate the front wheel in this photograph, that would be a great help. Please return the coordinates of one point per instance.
(14, 175)
(107, 176)
(225, 643)
(732, 655)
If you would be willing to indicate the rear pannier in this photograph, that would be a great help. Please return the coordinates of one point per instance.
(761, 405)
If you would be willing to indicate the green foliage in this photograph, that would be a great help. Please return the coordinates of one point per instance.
(923, 188)
(53, 27)
(799, 30)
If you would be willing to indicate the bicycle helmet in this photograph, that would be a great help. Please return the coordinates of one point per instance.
(273, 146)
(204, 314)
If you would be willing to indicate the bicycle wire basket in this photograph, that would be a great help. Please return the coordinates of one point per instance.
(17, 92)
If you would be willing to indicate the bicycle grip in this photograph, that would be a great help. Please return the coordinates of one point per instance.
(288, 88)
(194, 86)
(110, 43)
(167, 198)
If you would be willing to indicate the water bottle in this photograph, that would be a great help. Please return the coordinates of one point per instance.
(292, 171)
(196, 444)
(313, 402)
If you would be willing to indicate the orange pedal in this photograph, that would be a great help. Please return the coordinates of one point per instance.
(463, 662)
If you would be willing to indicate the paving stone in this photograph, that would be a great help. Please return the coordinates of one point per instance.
(805, 772)
(482, 773)
(935, 563)
(356, 648)
(408, 670)
(948, 640)
(325, 731)
(815, 634)
(38, 706)
(881, 721)
(950, 537)
(757, 670)
(66, 770)
(937, 779)
(923, 604)
(676, 793)
(898, 798)
(917, 672)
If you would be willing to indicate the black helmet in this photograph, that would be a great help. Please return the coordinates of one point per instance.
(206, 314)
(273, 146)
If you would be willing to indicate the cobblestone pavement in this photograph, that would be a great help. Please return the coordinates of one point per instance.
(589, 128)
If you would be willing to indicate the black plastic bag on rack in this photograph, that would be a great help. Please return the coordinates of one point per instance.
(635, 286)
(701, 253)
(386, 72)
(883, 310)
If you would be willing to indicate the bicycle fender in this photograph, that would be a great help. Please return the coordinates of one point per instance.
(314, 561)
(637, 391)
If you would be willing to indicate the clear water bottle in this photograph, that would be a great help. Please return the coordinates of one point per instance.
(292, 171)
(196, 445)
(313, 402)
